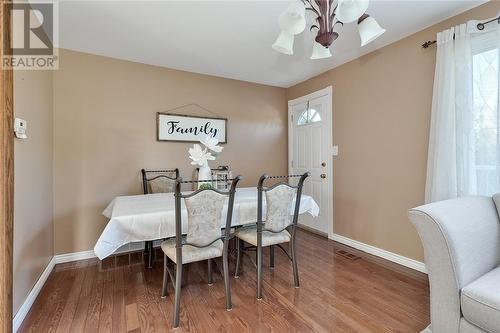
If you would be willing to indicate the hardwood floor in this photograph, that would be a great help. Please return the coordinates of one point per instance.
(337, 294)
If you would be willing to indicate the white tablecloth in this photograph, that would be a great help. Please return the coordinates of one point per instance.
(148, 217)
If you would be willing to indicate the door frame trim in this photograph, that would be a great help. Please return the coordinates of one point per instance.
(327, 91)
(6, 174)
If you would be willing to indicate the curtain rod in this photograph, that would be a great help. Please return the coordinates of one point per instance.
(480, 26)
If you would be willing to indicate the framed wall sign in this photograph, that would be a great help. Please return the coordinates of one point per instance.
(183, 128)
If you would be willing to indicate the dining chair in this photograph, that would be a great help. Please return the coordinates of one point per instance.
(279, 227)
(203, 240)
(157, 181)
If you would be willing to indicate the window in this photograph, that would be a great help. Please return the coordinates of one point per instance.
(485, 109)
(308, 116)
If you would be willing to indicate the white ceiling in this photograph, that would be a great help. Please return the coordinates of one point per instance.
(230, 39)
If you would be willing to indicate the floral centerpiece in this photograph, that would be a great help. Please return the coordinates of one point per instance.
(200, 156)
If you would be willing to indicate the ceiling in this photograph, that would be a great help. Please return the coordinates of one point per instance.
(231, 39)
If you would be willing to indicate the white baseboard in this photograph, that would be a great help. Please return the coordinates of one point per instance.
(75, 256)
(396, 258)
(30, 299)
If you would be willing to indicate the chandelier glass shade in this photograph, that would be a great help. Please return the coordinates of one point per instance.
(293, 20)
(329, 14)
(284, 43)
(350, 10)
(320, 52)
(369, 29)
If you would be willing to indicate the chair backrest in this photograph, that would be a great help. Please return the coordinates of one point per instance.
(205, 208)
(159, 181)
(279, 199)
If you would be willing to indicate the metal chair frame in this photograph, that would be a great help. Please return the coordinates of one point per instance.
(291, 228)
(180, 241)
(148, 245)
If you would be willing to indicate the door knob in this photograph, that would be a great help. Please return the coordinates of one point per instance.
(323, 175)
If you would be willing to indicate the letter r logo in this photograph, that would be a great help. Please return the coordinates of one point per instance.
(33, 28)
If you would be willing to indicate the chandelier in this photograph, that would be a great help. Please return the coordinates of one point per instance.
(293, 21)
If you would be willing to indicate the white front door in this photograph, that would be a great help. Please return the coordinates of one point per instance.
(310, 150)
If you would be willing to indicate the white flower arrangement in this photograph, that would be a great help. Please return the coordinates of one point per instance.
(212, 144)
(200, 156)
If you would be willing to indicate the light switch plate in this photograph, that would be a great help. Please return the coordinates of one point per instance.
(335, 150)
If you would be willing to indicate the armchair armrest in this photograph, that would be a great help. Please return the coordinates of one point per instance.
(461, 239)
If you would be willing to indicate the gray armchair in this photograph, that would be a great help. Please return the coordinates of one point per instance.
(461, 240)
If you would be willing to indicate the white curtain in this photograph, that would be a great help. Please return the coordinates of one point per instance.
(464, 142)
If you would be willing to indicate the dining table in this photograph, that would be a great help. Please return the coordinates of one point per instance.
(149, 217)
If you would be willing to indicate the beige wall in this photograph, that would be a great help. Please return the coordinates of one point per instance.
(33, 227)
(105, 132)
(381, 114)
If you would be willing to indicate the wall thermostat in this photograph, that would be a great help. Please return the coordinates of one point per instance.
(20, 126)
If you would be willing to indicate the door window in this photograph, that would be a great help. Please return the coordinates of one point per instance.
(308, 116)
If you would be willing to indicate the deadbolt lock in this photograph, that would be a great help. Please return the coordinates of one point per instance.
(323, 164)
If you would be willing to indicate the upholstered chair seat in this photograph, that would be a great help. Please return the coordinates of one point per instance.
(192, 253)
(249, 235)
(480, 301)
